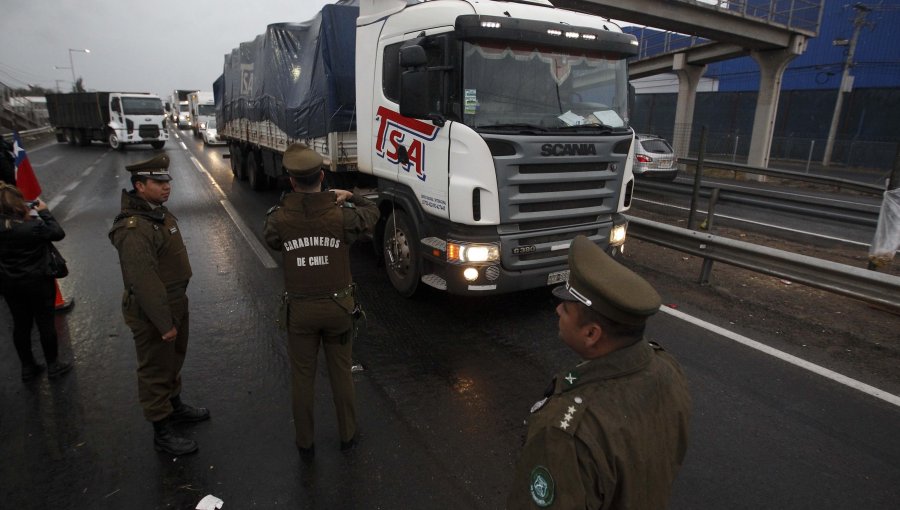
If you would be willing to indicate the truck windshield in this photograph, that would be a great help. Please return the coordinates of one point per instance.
(142, 106)
(207, 109)
(506, 87)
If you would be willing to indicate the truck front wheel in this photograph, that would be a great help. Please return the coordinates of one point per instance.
(114, 142)
(158, 144)
(401, 254)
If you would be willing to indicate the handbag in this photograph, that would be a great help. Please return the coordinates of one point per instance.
(56, 264)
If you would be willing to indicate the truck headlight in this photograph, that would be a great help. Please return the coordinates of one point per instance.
(203, 125)
(459, 253)
(617, 235)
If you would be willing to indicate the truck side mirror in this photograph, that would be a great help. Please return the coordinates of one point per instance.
(412, 56)
(415, 100)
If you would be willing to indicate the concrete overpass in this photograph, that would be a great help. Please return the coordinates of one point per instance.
(732, 29)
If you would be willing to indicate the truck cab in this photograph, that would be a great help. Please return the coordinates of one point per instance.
(498, 131)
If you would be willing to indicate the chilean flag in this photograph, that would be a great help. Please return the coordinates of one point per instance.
(25, 179)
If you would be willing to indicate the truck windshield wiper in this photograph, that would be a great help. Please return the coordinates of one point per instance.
(521, 127)
(601, 128)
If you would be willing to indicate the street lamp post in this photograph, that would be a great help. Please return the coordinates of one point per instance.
(72, 63)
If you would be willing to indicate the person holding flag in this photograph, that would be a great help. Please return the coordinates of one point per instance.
(27, 182)
(24, 282)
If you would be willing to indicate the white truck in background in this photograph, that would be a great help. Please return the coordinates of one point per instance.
(116, 118)
(493, 132)
(181, 108)
(202, 108)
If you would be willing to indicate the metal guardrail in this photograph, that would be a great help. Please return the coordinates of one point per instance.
(870, 286)
(29, 132)
(787, 174)
(812, 206)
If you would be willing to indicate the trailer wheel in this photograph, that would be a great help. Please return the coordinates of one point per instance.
(77, 138)
(237, 163)
(401, 253)
(114, 142)
(258, 179)
(70, 137)
(158, 144)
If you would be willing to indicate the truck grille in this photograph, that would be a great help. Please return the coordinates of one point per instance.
(148, 131)
(573, 195)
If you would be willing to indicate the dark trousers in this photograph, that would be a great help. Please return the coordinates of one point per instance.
(159, 363)
(31, 301)
(312, 323)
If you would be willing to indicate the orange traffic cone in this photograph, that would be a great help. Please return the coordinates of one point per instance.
(61, 304)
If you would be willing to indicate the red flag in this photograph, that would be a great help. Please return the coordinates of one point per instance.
(25, 178)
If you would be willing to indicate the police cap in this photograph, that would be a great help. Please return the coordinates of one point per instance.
(156, 168)
(301, 161)
(604, 285)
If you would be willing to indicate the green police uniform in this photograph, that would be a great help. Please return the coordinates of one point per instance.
(314, 236)
(156, 272)
(612, 431)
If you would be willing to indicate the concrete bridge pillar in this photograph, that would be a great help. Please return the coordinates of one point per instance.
(771, 70)
(688, 78)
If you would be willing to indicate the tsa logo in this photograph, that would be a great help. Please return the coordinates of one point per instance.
(395, 130)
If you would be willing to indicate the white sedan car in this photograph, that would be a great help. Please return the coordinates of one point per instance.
(210, 135)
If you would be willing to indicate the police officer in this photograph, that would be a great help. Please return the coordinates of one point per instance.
(156, 272)
(314, 230)
(612, 431)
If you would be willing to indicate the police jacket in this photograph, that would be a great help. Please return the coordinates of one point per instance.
(314, 236)
(611, 434)
(24, 245)
(154, 260)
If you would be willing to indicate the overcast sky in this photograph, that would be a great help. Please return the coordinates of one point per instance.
(135, 46)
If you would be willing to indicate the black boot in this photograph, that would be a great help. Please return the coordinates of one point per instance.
(183, 413)
(165, 440)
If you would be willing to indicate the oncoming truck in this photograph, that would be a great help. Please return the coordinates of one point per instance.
(117, 118)
(202, 107)
(492, 132)
(181, 109)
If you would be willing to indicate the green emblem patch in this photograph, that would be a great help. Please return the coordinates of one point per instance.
(542, 487)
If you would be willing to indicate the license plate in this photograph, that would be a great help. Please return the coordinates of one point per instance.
(666, 164)
(557, 277)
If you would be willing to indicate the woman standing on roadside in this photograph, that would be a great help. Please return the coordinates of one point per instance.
(24, 282)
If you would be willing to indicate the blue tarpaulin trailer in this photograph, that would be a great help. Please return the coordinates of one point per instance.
(298, 76)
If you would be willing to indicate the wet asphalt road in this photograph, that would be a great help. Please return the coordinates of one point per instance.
(441, 402)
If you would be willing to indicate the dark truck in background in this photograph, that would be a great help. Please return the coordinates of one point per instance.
(116, 118)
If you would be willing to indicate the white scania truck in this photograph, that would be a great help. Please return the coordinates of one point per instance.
(117, 118)
(494, 132)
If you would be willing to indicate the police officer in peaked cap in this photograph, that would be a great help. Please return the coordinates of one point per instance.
(611, 431)
(156, 272)
(313, 229)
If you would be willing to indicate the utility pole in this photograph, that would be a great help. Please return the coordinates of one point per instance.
(846, 80)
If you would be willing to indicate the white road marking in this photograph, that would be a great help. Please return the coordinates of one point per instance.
(88, 170)
(267, 261)
(183, 146)
(806, 365)
(45, 163)
(768, 225)
(72, 186)
(55, 202)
